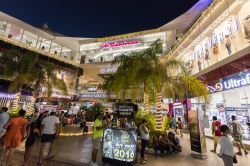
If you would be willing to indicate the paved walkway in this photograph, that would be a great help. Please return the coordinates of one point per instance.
(76, 150)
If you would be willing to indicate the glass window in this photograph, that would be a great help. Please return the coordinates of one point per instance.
(66, 53)
(45, 45)
(234, 97)
(14, 32)
(55, 48)
(29, 38)
(3, 27)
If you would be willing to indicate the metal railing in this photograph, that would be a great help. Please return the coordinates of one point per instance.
(28, 47)
(194, 26)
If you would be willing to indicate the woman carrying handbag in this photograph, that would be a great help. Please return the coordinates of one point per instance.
(226, 150)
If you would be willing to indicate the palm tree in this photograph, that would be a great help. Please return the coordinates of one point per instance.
(143, 72)
(27, 70)
(135, 74)
(176, 82)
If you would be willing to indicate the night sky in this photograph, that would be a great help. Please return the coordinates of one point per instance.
(96, 18)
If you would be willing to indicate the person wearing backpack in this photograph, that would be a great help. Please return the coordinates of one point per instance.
(216, 132)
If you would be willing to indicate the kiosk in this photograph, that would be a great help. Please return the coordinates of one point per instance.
(120, 142)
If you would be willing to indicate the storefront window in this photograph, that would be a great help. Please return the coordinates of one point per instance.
(227, 103)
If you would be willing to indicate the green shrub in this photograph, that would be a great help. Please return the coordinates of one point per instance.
(149, 117)
(92, 112)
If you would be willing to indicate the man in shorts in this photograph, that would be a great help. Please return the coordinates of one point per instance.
(97, 138)
(237, 135)
(50, 128)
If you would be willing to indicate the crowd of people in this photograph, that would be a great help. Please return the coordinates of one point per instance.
(17, 129)
(221, 135)
(168, 143)
(46, 127)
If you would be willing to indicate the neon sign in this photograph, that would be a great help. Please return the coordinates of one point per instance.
(7, 95)
(120, 43)
(106, 70)
(231, 82)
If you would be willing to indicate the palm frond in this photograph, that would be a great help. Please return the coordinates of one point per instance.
(25, 68)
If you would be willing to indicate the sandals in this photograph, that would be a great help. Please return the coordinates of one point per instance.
(143, 162)
(50, 157)
(239, 153)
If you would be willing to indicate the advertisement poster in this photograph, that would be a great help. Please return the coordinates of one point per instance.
(197, 136)
(125, 110)
(119, 145)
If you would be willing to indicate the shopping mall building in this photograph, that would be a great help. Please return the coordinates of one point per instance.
(217, 50)
(212, 38)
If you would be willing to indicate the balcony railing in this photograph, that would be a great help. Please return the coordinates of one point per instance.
(194, 26)
(37, 50)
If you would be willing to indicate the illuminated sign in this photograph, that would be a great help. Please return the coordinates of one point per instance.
(120, 145)
(107, 70)
(120, 43)
(55, 95)
(231, 82)
(6, 95)
(125, 110)
(96, 95)
(92, 89)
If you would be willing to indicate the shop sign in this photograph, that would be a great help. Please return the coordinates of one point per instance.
(107, 70)
(126, 110)
(6, 95)
(120, 43)
(96, 95)
(231, 82)
(92, 89)
(227, 28)
(55, 95)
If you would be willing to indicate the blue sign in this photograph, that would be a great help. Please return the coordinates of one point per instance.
(231, 82)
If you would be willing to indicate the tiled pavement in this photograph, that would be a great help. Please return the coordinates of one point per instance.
(17, 160)
(76, 150)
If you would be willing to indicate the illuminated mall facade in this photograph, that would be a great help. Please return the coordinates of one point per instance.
(217, 50)
(212, 38)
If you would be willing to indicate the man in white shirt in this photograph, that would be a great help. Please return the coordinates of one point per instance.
(50, 129)
(226, 147)
(238, 135)
(4, 117)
